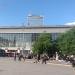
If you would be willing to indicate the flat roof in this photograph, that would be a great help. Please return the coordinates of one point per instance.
(32, 27)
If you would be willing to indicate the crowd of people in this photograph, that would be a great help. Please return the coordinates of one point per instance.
(19, 55)
(42, 58)
(37, 58)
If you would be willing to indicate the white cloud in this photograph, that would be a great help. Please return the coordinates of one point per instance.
(70, 23)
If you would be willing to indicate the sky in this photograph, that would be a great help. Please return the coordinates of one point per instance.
(55, 12)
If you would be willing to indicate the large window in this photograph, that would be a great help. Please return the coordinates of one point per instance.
(35, 36)
(15, 39)
(54, 36)
(20, 39)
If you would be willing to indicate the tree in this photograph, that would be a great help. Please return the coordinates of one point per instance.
(43, 44)
(66, 42)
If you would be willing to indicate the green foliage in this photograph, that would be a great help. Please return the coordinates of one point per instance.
(66, 42)
(42, 44)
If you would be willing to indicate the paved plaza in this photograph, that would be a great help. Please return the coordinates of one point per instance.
(10, 67)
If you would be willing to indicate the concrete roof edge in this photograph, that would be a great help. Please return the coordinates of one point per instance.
(45, 26)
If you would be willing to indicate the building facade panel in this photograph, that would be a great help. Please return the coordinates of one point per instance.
(22, 38)
(35, 30)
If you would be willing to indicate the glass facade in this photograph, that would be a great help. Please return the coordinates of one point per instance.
(20, 39)
(14, 39)
(17, 39)
(54, 36)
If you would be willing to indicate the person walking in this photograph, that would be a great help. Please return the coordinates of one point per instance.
(38, 57)
(35, 59)
(24, 57)
(15, 55)
(44, 58)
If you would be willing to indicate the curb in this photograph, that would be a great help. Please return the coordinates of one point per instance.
(68, 65)
(60, 64)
